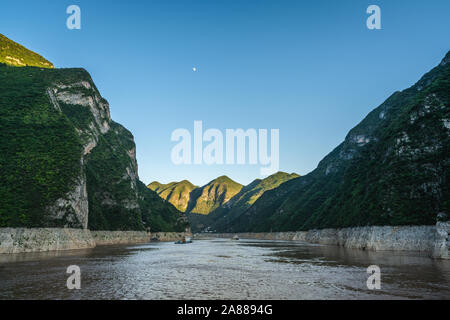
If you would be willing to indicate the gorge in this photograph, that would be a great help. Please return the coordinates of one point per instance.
(70, 172)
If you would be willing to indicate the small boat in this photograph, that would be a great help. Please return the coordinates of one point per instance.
(184, 240)
(235, 237)
(154, 239)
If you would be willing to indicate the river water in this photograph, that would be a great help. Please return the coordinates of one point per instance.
(223, 269)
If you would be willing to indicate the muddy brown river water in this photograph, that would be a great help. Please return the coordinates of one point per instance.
(223, 269)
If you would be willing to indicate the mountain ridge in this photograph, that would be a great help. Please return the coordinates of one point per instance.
(14, 54)
(217, 205)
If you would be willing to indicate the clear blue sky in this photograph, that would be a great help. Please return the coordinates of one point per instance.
(309, 68)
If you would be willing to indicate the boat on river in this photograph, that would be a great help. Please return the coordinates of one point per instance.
(184, 240)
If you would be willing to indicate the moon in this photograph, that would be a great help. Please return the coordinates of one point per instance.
(194, 69)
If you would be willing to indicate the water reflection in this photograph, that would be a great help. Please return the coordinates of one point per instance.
(223, 269)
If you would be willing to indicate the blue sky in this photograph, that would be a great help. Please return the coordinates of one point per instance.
(311, 69)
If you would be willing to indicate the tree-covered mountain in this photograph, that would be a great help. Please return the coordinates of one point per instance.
(14, 54)
(220, 201)
(392, 169)
(216, 193)
(220, 218)
(177, 193)
(63, 161)
(200, 200)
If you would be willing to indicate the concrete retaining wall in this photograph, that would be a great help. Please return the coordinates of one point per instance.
(20, 240)
(431, 239)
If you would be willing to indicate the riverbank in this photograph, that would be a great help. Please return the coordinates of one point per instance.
(434, 240)
(23, 240)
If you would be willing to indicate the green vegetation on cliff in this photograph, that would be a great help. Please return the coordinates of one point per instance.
(213, 195)
(17, 55)
(158, 214)
(392, 169)
(177, 193)
(39, 148)
(112, 192)
(63, 161)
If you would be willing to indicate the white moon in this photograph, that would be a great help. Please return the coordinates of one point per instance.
(194, 69)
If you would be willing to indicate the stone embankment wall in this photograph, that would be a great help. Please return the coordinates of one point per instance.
(170, 236)
(102, 238)
(431, 239)
(21, 240)
(18, 240)
(132, 237)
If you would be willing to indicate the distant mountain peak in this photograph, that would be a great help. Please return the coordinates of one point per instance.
(223, 179)
(217, 216)
(14, 54)
(177, 193)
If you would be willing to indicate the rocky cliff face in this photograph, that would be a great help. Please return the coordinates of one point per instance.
(67, 98)
(104, 195)
(66, 163)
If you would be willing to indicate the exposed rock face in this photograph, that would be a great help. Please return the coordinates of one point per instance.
(74, 207)
(79, 95)
(84, 94)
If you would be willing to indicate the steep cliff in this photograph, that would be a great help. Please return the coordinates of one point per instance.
(392, 169)
(65, 163)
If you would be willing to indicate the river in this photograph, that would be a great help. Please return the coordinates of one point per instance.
(223, 269)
